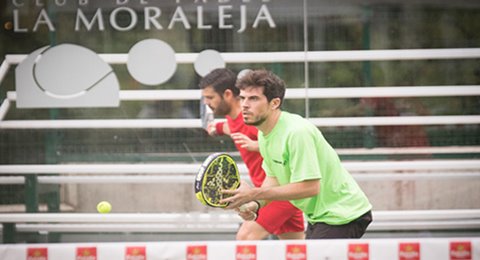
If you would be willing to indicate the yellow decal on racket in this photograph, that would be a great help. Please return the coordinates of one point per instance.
(218, 172)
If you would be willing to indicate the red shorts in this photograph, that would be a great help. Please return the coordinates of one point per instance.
(279, 217)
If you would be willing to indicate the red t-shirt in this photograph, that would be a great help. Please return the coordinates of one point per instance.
(253, 160)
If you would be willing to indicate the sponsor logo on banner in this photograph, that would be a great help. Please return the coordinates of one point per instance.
(409, 251)
(86, 253)
(460, 250)
(37, 253)
(296, 252)
(358, 252)
(135, 253)
(197, 252)
(246, 252)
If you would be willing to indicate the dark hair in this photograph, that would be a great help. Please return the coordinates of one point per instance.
(221, 80)
(273, 86)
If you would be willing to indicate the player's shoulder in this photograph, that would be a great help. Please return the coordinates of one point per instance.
(295, 122)
(291, 116)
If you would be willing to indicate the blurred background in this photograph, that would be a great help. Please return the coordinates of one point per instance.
(299, 26)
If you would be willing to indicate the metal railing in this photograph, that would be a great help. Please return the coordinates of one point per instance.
(183, 173)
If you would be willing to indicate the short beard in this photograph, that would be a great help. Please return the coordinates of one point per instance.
(223, 109)
(256, 123)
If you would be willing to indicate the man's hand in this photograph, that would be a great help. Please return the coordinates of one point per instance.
(248, 211)
(211, 129)
(238, 197)
(218, 129)
(245, 142)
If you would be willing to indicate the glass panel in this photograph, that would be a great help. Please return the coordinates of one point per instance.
(242, 31)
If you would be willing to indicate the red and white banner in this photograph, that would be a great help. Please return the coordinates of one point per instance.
(363, 249)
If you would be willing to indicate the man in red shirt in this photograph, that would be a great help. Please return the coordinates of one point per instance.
(279, 218)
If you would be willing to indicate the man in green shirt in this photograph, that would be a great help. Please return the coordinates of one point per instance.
(300, 165)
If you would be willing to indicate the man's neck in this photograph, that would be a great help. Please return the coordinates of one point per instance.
(235, 109)
(267, 126)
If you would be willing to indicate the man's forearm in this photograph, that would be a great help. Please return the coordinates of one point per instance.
(292, 191)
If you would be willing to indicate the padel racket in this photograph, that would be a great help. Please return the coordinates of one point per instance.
(218, 172)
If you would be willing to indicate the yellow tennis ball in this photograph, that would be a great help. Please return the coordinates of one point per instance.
(104, 207)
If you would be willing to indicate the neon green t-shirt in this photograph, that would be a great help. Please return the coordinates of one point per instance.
(294, 151)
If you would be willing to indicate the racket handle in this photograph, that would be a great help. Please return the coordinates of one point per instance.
(243, 208)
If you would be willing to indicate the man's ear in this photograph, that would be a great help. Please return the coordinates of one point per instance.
(275, 103)
(227, 93)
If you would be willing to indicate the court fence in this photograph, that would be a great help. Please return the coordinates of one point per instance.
(31, 175)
